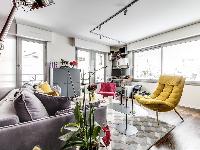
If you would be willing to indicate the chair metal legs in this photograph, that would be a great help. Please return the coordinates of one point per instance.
(178, 114)
(157, 117)
(174, 110)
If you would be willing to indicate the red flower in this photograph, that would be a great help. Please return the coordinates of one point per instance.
(73, 63)
(107, 138)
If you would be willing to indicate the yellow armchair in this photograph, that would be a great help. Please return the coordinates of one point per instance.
(166, 96)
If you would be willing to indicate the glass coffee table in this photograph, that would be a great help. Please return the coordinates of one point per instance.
(124, 128)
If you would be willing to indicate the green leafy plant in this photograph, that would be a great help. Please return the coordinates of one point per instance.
(83, 133)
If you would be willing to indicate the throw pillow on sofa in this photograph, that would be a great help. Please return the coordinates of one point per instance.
(8, 119)
(53, 103)
(44, 87)
(8, 114)
(29, 107)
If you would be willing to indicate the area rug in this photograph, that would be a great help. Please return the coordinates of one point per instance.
(148, 131)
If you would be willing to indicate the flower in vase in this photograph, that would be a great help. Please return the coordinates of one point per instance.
(73, 63)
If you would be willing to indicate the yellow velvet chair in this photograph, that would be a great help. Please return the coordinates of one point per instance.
(166, 96)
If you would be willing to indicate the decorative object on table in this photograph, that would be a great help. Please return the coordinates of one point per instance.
(92, 88)
(64, 63)
(73, 63)
(107, 138)
(82, 135)
(53, 64)
(30, 4)
(166, 96)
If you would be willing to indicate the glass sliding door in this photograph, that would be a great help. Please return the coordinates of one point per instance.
(100, 63)
(83, 58)
(33, 60)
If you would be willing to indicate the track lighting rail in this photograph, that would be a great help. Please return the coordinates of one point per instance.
(117, 13)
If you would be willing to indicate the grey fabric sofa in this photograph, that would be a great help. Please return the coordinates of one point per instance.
(43, 132)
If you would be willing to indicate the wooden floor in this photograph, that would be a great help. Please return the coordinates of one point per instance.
(186, 135)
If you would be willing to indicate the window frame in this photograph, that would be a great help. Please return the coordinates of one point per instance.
(142, 50)
(162, 45)
(92, 56)
(19, 58)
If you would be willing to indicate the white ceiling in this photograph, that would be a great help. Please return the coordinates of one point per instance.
(76, 18)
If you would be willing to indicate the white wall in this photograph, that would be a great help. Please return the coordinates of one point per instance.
(190, 97)
(191, 93)
(60, 48)
(33, 33)
(12, 30)
(91, 45)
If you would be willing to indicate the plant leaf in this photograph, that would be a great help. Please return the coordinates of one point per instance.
(71, 127)
(66, 136)
(71, 144)
(96, 131)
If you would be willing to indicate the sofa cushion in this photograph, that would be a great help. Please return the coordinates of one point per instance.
(29, 107)
(8, 114)
(53, 103)
(6, 120)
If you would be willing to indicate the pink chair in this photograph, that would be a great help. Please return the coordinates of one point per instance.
(107, 89)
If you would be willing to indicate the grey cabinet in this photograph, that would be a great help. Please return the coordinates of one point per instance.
(61, 77)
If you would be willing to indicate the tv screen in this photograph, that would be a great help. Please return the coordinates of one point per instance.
(116, 72)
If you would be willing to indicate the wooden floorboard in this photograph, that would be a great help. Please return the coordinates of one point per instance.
(186, 135)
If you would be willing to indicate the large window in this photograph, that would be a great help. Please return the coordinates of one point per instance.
(183, 59)
(89, 61)
(8, 63)
(33, 61)
(147, 64)
(175, 59)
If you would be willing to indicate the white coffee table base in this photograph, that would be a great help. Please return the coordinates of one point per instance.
(126, 129)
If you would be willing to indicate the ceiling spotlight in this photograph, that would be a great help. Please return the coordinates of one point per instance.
(125, 11)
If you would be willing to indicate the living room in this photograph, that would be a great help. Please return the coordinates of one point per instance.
(132, 65)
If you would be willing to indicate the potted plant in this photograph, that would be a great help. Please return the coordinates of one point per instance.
(84, 133)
